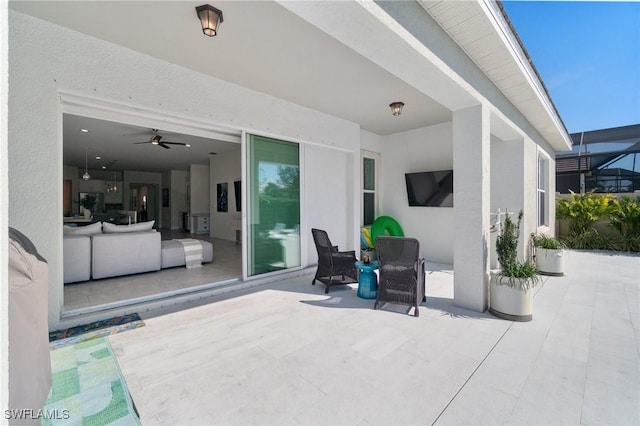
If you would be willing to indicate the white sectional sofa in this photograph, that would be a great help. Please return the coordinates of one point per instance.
(106, 250)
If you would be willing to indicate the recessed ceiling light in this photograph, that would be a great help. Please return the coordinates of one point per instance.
(98, 158)
(84, 130)
(188, 145)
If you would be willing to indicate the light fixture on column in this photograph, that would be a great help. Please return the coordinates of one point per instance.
(210, 18)
(86, 175)
(396, 107)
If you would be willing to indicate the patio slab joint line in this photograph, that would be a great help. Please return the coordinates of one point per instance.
(471, 375)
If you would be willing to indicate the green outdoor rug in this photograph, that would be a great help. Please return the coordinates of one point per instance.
(69, 336)
(88, 387)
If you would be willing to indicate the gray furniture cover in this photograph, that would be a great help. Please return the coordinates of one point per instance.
(29, 362)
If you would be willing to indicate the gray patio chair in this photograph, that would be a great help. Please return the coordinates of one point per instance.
(334, 267)
(402, 276)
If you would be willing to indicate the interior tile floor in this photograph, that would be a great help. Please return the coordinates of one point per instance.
(226, 265)
(287, 354)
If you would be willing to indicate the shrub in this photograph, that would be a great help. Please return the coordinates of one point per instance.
(624, 216)
(513, 270)
(546, 242)
(583, 210)
(507, 242)
(627, 242)
(590, 240)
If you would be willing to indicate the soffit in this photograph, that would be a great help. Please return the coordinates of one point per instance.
(262, 46)
(480, 29)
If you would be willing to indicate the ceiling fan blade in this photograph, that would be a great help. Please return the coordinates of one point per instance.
(163, 144)
(174, 143)
(138, 143)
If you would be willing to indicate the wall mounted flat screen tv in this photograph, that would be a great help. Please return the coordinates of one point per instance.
(237, 190)
(430, 189)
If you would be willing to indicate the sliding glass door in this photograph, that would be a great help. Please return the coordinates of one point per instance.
(273, 213)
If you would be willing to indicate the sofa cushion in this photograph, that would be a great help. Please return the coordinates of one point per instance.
(110, 228)
(124, 253)
(76, 257)
(93, 229)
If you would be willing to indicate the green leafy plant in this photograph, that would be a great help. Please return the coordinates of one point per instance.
(583, 210)
(627, 243)
(547, 242)
(88, 202)
(624, 216)
(590, 239)
(514, 271)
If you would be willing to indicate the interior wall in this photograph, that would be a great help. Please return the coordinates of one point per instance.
(199, 187)
(166, 211)
(225, 168)
(92, 67)
(178, 197)
(426, 149)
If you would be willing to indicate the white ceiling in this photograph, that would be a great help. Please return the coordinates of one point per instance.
(116, 145)
(261, 46)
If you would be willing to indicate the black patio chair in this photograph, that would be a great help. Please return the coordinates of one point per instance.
(402, 275)
(334, 267)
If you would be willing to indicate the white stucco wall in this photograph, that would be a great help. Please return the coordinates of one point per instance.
(4, 210)
(426, 149)
(224, 168)
(325, 170)
(68, 61)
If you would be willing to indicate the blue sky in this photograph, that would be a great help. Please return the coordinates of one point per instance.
(588, 54)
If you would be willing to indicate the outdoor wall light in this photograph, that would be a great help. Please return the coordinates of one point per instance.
(210, 18)
(396, 107)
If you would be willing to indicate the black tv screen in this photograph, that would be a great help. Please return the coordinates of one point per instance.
(430, 189)
(237, 190)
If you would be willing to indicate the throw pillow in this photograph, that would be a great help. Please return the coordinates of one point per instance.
(110, 228)
(93, 229)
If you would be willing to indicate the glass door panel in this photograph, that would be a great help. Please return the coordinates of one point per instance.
(273, 214)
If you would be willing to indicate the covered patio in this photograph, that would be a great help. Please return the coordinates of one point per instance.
(286, 353)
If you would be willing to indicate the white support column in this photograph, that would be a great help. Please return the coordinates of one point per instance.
(471, 184)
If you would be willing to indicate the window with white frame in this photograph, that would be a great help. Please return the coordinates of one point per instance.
(543, 190)
(370, 163)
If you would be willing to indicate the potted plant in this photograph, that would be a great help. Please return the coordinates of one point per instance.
(511, 289)
(88, 202)
(549, 254)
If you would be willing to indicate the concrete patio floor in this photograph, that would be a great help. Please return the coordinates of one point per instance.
(287, 354)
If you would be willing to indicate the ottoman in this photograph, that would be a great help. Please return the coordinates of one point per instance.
(172, 253)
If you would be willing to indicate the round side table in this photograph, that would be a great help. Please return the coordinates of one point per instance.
(367, 279)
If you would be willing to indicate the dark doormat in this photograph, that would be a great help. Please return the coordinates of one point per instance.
(93, 330)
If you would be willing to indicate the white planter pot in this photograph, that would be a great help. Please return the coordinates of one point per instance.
(87, 214)
(510, 303)
(550, 261)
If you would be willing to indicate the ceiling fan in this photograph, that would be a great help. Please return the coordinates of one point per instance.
(156, 139)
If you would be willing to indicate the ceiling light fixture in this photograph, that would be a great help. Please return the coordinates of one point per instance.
(396, 108)
(84, 130)
(86, 175)
(210, 18)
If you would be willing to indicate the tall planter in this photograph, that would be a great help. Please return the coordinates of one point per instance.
(550, 261)
(510, 302)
